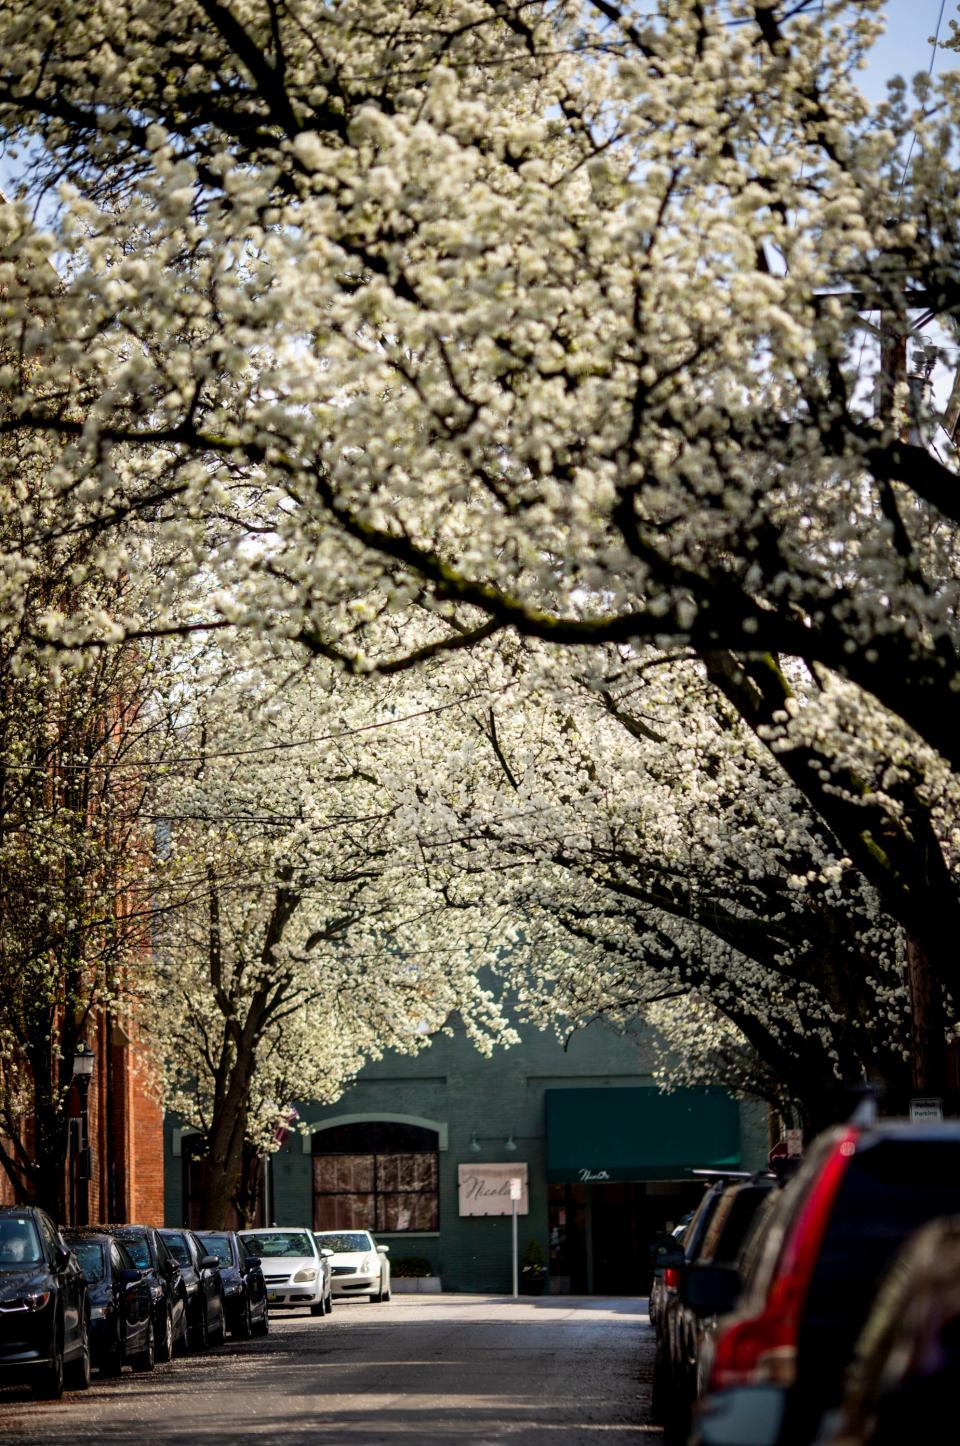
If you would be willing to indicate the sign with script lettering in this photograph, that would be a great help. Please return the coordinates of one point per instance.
(485, 1189)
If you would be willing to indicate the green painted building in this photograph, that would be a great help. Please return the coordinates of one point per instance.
(419, 1144)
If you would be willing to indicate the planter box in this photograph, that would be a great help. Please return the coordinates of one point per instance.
(416, 1285)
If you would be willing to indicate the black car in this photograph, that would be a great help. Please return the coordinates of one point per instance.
(168, 1294)
(244, 1289)
(121, 1318)
(720, 1220)
(742, 1208)
(44, 1312)
(200, 1272)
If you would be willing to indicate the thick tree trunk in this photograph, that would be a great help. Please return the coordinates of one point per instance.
(928, 1043)
(247, 1198)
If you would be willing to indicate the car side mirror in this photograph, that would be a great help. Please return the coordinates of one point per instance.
(383, 1250)
(61, 1258)
(128, 1278)
(327, 1254)
(169, 1268)
(251, 1262)
(710, 1289)
(209, 1262)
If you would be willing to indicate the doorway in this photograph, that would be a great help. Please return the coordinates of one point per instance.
(601, 1234)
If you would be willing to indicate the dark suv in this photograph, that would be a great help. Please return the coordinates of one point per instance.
(778, 1363)
(715, 1235)
(44, 1313)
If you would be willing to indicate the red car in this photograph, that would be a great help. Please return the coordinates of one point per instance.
(779, 1361)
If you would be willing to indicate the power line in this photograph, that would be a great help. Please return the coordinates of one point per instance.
(934, 42)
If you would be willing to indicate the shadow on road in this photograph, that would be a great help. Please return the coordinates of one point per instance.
(466, 1371)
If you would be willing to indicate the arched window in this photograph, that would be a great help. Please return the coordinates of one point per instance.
(376, 1175)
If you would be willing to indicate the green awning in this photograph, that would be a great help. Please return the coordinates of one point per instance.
(596, 1135)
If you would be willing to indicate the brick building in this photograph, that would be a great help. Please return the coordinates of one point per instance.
(125, 1128)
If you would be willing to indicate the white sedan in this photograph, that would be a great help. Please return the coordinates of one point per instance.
(358, 1266)
(293, 1268)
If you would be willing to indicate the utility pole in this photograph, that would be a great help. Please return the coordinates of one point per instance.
(928, 1049)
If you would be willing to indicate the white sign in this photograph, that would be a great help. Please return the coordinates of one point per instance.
(486, 1189)
(516, 1188)
(923, 1111)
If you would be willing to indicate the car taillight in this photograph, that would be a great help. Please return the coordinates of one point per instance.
(763, 1347)
(671, 1277)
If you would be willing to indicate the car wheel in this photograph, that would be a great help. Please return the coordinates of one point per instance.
(317, 1309)
(243, 1329)
(77, 1374)
(48, 1384)
(217, 1335)
(262, 1326)
(144, 1361)
(163, 1340)
(660, 1396)
(330, 1303)
(181, 1342)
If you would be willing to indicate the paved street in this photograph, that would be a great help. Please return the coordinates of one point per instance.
(460, 1369)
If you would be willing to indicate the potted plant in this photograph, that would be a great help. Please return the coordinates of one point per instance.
(413, 1276)
(533, 1269)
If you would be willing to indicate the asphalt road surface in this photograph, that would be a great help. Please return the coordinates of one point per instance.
(448, 1370)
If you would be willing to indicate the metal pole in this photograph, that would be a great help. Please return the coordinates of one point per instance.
(74, 1165)
(83, 1173)
(516, 1291)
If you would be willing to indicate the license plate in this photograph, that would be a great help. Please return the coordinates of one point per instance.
(274, 1294)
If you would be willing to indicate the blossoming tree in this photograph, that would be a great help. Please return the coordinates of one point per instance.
(540, 316)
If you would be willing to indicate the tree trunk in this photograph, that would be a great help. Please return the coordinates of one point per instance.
(247, 1199)
(928, 1043)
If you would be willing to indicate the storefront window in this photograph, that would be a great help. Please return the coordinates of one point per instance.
(376, 1176)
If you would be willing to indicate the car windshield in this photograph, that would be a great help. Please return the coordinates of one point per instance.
(178, 1248)
(343, 1242)
(19, 1243)
(273, 1243)
(90, 1255)
(139, 1249)
(219, 1246)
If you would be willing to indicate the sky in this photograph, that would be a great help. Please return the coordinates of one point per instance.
(905, 48)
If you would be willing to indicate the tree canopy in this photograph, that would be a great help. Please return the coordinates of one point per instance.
(565, 343)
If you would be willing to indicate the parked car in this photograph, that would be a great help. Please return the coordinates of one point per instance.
(244, 1288)
(200, 1272)
(121, 1319)
(44, 1311)
(779, 1362)
(906, 1363)
(741, 1211)
(168, 1295)
(715, 1233)
(666, 1251)
(713, 1305)
(292, 1266)
(358, 1266)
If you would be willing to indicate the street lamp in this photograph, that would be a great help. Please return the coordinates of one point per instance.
(83, 1062)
